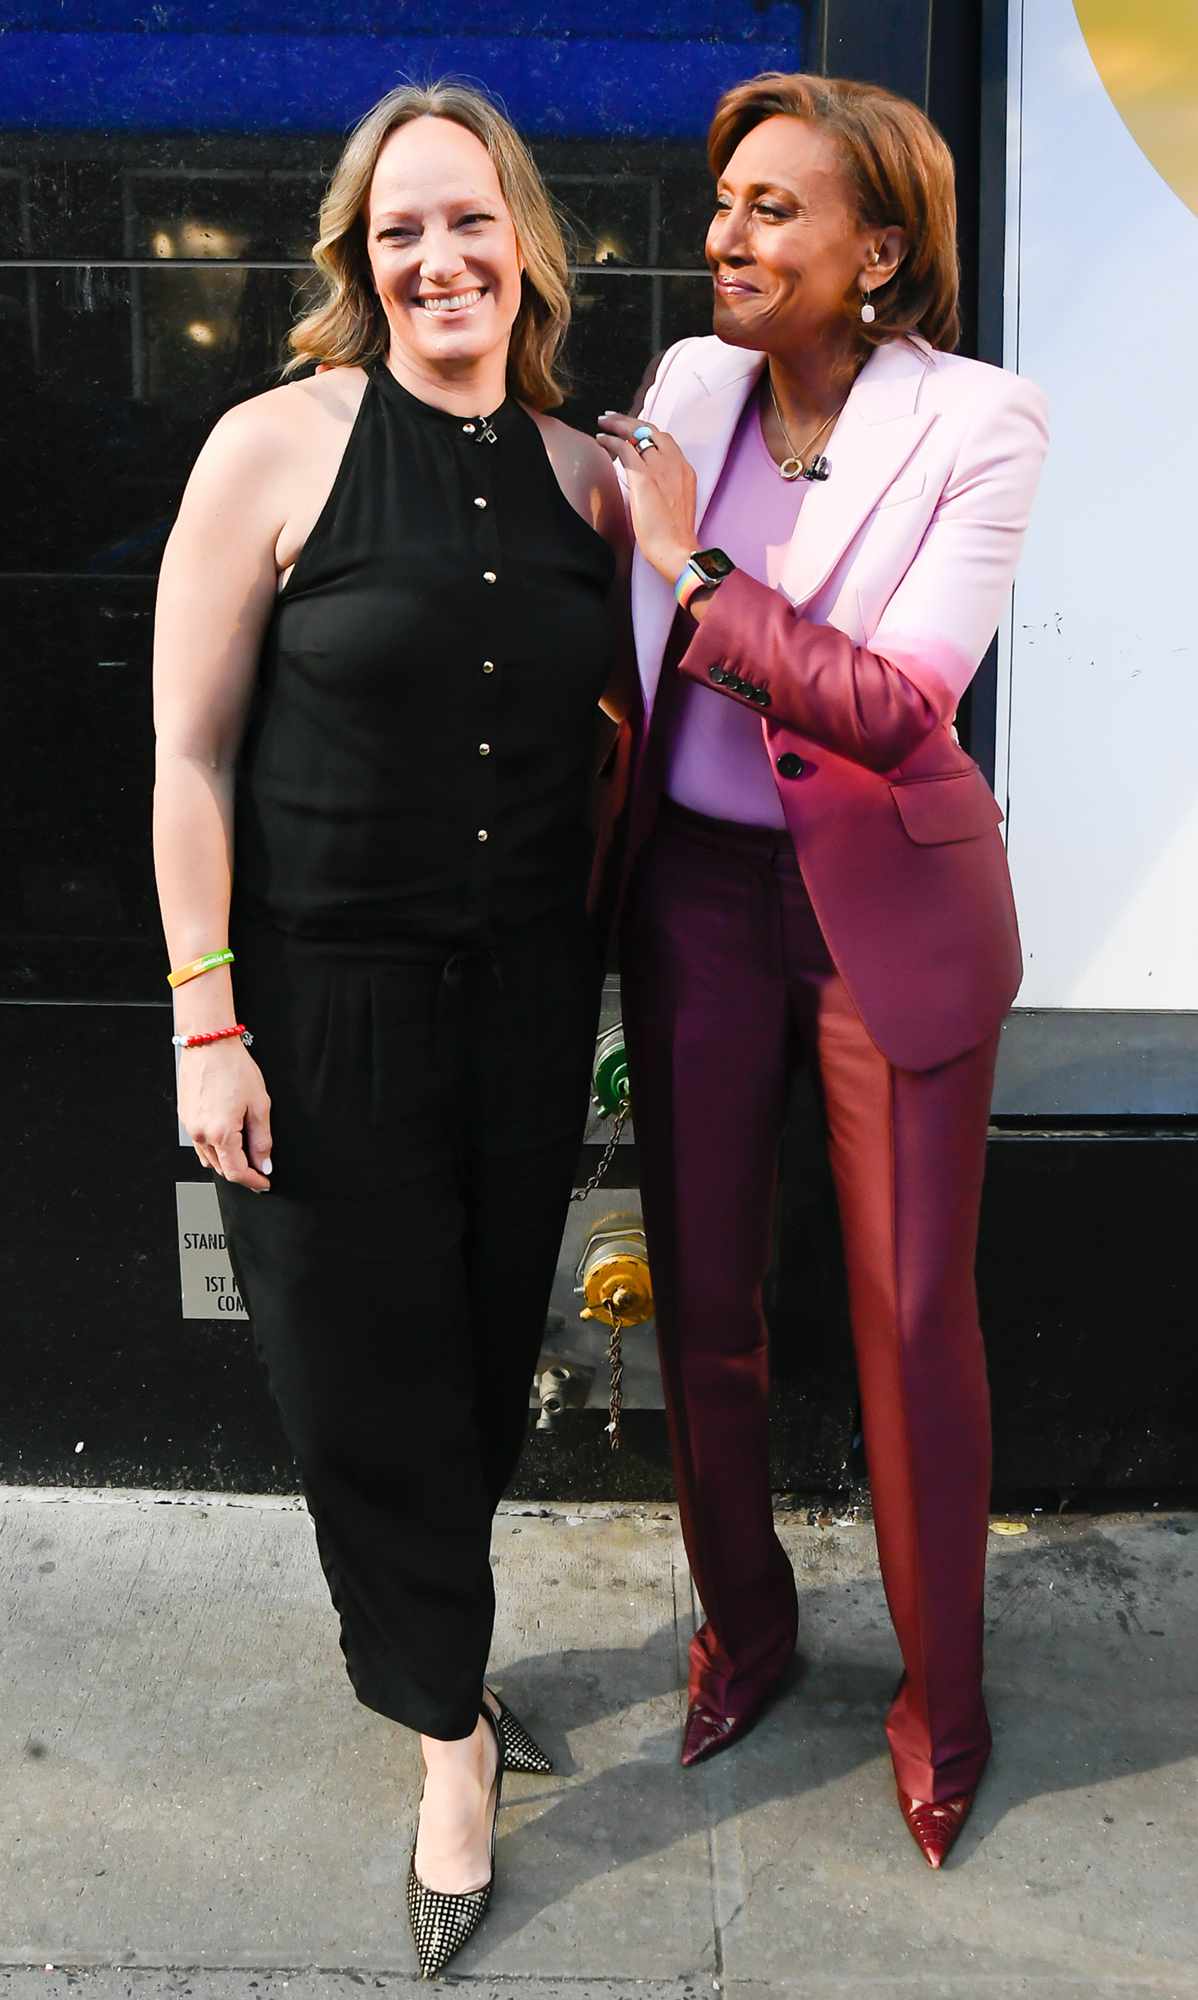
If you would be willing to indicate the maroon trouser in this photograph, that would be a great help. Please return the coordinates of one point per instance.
(727, 984)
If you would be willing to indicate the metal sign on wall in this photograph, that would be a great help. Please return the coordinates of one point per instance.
(205, 1273)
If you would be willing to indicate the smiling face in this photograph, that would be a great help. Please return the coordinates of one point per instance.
(443, 253)
(786, 246)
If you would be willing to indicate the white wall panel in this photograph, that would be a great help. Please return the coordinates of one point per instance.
(1100, 706)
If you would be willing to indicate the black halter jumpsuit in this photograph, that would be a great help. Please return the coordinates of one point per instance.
(412, 953)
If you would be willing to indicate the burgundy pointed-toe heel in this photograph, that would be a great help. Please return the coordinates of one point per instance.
(934, 1826)
(705, 1733)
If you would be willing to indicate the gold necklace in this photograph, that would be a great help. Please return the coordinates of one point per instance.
(793, 467)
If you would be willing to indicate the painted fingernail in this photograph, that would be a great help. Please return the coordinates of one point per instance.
(266, 1166)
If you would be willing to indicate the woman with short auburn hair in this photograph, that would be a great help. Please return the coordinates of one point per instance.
(828, 505)
(898, 170)
(382, 638)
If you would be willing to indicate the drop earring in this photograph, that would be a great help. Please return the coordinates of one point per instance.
(868, 313)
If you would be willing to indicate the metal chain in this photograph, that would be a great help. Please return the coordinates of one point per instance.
(615, 1356)
(609, 1153)
(615, 1351)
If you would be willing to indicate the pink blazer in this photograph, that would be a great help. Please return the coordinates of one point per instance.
(893, 586)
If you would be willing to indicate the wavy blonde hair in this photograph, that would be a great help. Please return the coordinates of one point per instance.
(347, 324)
(900, 172)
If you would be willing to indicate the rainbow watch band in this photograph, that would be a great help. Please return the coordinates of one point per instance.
(705, 569)
(688, 583)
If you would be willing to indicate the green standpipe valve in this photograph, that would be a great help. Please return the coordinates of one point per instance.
(609, 1079)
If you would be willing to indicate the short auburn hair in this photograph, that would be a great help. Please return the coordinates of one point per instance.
(346, 324)
(900, 175)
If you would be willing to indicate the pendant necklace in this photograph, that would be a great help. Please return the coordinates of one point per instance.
(794, 466)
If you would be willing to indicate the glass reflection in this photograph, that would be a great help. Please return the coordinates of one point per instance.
(220, 212)
(625, 204)
(14, 211)
(137, 365)
(77, 913)
(620, 324)
(165, 229)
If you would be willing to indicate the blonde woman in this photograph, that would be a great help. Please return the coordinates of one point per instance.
(382, 640)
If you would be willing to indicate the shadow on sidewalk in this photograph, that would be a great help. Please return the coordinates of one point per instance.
(1072, 1703)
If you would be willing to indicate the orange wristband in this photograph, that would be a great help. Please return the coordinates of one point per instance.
(208, 963)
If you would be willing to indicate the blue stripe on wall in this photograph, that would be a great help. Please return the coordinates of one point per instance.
(668, 20)
(563, 86)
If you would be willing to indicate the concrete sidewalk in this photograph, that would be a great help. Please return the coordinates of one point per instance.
(194, 1804)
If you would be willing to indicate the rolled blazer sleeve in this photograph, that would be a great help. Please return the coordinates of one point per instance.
(875, 704)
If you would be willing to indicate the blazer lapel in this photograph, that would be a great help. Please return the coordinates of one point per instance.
(703, 426)
(878, 430)
(706, 425)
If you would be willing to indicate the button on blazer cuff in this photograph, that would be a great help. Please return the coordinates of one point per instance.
(756, 649)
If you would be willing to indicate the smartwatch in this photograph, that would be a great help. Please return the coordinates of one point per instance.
(704, 571)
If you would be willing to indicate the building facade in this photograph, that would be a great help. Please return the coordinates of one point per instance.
(160, 173)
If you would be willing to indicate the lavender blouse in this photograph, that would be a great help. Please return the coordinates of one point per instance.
(716, 759)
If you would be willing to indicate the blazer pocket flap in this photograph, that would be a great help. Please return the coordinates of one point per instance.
(959, 806)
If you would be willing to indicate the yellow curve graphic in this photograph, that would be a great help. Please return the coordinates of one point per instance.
(1146, 52)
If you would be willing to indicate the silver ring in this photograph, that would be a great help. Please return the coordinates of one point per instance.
(641, 431)
(646, 444)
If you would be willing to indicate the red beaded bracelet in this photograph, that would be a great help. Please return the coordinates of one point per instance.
(217, 1035)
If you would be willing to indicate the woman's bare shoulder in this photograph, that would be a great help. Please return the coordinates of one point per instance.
(585, 474)
(259, 454)
(277, 421)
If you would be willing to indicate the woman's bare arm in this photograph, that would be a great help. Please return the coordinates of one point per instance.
(217, 587)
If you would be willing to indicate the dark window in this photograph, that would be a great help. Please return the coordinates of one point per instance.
(159, 187)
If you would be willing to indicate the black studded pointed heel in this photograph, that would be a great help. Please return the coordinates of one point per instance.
(441, 1922)
(521, 1752)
